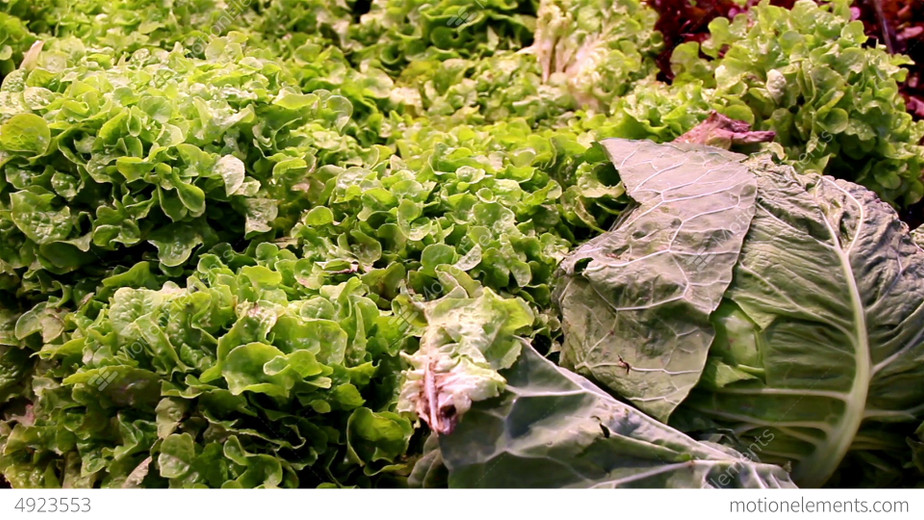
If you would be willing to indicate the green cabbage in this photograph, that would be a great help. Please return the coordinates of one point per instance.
(741, 299)
(503, 416)
(553, 428)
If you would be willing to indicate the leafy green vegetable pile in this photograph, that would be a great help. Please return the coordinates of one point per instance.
(279, 242)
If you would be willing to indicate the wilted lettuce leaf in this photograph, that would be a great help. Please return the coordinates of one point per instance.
(469, 336)
(817, 341)
(553, 428)
(503, 416)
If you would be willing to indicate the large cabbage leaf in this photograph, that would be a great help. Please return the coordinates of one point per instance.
(826, 317)
(504, 416)
(818, 341)
(554, 428)
(656, 278)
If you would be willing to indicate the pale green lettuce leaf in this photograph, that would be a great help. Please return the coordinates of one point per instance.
(597, 48)
(25, 133)
(469, 336)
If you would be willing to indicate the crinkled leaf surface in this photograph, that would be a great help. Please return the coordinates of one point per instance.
(376, 151)
(822, 331)
(813, 351)
(554, 428)
(636, 300)
(239, 379)
(469, 336)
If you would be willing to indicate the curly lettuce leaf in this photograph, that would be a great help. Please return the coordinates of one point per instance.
(599, 49)
(242, 378)
(809, 75)
(469, 336)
